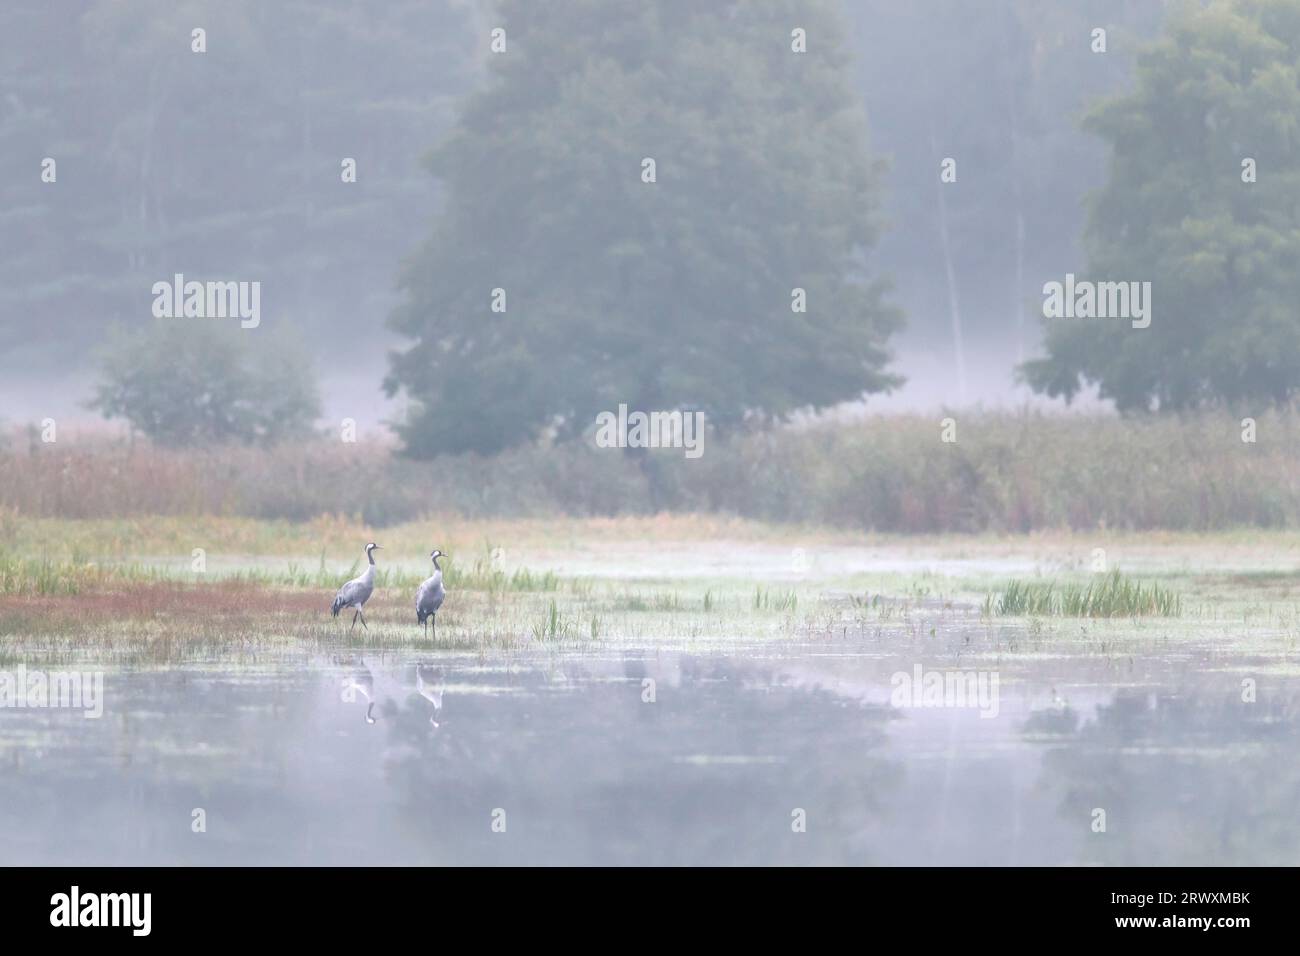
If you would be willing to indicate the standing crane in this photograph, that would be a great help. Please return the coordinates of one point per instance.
(357, 592)
(430, 596)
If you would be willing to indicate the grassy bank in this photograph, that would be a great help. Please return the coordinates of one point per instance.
(128, 589)
(1004, 472)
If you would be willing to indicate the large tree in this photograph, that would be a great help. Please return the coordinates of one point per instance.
(671, 294)
(1221, 86)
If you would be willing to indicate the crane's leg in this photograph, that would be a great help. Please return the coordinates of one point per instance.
(354, 618)
(363, 619)
(435, 626)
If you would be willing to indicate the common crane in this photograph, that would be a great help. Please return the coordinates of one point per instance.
(357, 592)
(430, 596)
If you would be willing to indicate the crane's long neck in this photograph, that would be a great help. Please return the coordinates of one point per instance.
(370, 556)
(436, 566)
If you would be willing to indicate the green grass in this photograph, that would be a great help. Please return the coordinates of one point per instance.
(659, 602)
(45, 576)
(768, 600)
(554, 625)
(1113, 595)
(70, 576)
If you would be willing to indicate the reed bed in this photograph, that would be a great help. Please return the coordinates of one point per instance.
(1005, 473)
(1111, 595)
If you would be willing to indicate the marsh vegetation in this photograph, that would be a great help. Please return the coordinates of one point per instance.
(1005, 473)
(629, 694)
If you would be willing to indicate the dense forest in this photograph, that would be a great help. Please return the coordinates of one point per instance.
(228, 164)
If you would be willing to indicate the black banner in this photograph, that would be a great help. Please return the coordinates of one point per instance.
(355, 905)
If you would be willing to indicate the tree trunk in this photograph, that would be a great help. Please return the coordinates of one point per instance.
(954, 309)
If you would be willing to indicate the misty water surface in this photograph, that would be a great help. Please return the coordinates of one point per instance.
(292, 764)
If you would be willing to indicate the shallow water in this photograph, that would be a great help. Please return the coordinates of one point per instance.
(339, 759)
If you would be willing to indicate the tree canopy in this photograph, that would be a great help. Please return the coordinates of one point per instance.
(187, 382)
(675, 293)
(1216, 104)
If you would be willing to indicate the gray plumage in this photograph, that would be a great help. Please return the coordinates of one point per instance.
(357, 592)
(429, 598)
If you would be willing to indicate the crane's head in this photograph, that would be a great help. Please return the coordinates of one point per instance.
(435, 554)
(371, 547)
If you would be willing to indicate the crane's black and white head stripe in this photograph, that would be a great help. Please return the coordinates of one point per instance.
(435, 554)
(373, 547)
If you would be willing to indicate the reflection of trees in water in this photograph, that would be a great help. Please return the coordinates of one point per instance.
(587, 772)
(1187, 779)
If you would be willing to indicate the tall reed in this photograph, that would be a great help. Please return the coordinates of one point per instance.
(1006, 472)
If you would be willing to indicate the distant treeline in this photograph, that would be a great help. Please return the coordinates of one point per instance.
(1004, 472)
